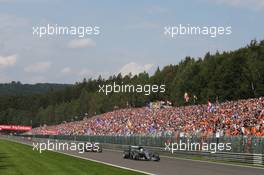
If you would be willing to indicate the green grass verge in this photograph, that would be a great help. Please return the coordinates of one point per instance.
(18, 159)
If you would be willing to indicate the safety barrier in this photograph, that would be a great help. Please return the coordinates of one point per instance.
(249, 150)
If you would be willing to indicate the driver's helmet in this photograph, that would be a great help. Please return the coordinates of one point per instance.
(141, 150)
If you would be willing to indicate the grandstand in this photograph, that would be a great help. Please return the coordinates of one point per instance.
(232, 118)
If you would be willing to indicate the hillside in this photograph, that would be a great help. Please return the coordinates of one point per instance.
(17, 88)
(219, 77)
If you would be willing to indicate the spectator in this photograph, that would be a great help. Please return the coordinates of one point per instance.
(242, 117)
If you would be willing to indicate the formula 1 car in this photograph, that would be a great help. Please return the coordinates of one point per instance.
(140, 153)
(93, 147)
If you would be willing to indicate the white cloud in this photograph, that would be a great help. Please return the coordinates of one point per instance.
(85, 72)
(38, 67)
(66, 70)
(8, 60)
(135, 68)
(253, 4)
(36, 79)
(81, 43)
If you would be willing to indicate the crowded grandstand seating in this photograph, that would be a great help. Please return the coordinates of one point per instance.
(242, 117)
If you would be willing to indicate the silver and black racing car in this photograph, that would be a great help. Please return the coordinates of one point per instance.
(140, 153)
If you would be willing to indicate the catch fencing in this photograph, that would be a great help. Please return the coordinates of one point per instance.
(249, 150)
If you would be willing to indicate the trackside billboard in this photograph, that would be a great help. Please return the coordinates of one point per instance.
(15, 127)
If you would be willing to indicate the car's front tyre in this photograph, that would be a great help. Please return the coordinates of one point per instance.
(125, 155)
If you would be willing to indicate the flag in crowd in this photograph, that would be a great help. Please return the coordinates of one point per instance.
(186, 97)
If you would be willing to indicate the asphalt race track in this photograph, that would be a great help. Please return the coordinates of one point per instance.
(169, 166)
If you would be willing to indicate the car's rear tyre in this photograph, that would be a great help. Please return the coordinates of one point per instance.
(135, 156)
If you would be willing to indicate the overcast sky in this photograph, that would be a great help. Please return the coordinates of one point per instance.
(131, 35)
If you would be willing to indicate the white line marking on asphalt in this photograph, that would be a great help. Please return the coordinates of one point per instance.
(204, 161)
(178, 158)
(109, 164)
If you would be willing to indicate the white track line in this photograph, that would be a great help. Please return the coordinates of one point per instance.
(204, 161)
(97, 161)
(178, 158)
(109, 164)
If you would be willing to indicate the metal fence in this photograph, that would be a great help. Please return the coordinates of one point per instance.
(239, 144)
(248, 150)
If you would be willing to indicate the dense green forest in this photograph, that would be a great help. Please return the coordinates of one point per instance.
(226, 76)
(17, 88)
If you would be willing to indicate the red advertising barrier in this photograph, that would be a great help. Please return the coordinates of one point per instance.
(15, 127)
(49, 132)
